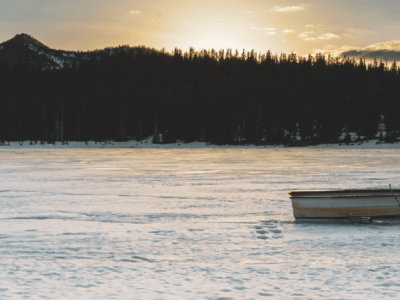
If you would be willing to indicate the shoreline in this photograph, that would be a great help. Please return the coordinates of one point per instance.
(147, 144)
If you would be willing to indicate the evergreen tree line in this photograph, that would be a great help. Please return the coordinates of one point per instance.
(213, 96)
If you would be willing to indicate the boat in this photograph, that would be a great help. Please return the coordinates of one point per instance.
(346, 204)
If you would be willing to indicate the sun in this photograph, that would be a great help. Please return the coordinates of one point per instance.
(217, 28)
(217, 39)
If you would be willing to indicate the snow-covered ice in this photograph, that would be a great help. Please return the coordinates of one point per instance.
(189, 224)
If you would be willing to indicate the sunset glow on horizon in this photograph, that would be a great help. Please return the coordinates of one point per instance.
(302, 27)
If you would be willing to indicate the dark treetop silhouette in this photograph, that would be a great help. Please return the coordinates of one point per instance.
(213, 96)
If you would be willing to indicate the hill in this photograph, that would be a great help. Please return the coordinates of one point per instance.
(24, 48)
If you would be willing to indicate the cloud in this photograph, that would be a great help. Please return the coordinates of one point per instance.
(389, 46)
(288, 31)
(359, 32)
(309, 25)
(135, 12)
(270, 31)
(328, 36)
(310, 36)
(288, 8)
(306, 34)
(260, 28)
(250, 12)
(384, 55)
(334, 51)
(385, 51)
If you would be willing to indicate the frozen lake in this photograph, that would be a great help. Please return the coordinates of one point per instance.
(189, 224)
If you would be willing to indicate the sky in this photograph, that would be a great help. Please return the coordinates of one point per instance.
(303, 27)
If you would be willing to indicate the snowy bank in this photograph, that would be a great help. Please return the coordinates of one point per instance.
(147, 143)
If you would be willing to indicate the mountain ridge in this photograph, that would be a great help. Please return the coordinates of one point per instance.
(26, 49)
(25, 39)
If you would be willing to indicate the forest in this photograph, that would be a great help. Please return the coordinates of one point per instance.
(219, 97)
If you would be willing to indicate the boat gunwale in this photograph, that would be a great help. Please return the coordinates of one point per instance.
(395, 216)
(349, 216)
(298, 194)
(344, 191)
(345, 196)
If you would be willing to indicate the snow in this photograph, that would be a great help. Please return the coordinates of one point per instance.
(57, 60)
(189, 224)
(381, 127)
(353, 136)
(32, 47)
(60, 62)
(68, 55)
(35, 49)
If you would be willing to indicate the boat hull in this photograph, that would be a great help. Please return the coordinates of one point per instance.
(344, 204)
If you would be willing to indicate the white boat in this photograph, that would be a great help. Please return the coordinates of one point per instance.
(346, 204)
